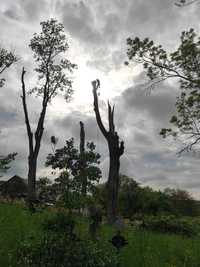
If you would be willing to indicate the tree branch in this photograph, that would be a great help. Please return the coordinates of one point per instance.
(28, 127)
(95, 85)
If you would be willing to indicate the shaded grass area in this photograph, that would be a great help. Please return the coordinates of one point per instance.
(144, 248)
(16, 224)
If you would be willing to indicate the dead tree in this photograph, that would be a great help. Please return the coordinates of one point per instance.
(116, 150)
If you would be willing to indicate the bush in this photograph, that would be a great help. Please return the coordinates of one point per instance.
(170, 224)
(60, 223)
(61, 247)
(59, 251)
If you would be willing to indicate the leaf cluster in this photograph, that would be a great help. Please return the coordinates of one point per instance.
(5, 161)
(7, 58)
(48, 47)
(75, 165)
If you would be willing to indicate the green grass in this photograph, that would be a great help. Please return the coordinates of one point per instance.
(143, 249)
(16, 223)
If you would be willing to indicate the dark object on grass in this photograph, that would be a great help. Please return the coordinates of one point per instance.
(119, 241)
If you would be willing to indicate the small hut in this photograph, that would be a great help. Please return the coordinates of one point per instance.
(15, 187)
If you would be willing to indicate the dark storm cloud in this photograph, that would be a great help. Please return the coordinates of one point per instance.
(158, 106)
(33, 9)
(153, 17)
(12, 14)
(103, 27)
(7, 117)
(158, 178)
(69, 127)
(25, 9)
(80, 22)
(142, 138)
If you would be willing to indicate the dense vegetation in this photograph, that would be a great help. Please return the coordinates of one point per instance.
(20, 229)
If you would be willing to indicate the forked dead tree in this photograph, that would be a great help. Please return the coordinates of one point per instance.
(116, 150)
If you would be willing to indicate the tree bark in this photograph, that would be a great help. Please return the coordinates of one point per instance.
(32, 166)
(82, 160)
(116, 150)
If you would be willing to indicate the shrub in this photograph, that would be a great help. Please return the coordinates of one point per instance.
(60, 223)
(61, 247)
(170, 224)
(60, 251)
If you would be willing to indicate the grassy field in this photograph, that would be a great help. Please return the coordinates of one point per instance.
(144, 248)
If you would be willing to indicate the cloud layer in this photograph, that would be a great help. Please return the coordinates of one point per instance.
(97, 32)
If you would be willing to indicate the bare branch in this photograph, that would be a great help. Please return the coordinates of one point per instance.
(188, 147)
(111, 119)
(95, 85)
(28, 127)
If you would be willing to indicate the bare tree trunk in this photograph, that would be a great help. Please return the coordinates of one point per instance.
(82, 163)
(82, 137)
(32, 166)
(113, 182)
(116, 149)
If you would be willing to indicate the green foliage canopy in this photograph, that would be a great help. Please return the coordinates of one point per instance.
(47, 47)
(182, 64)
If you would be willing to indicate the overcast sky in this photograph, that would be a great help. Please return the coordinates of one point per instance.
(97, 32)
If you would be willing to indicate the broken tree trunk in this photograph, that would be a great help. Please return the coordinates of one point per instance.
(116, 150)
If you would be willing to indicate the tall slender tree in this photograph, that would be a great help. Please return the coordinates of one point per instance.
(116, 150)
(48, 47)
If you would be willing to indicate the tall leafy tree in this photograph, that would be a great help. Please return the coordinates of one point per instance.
(48, 48)
(7, 58)
(183, 65)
